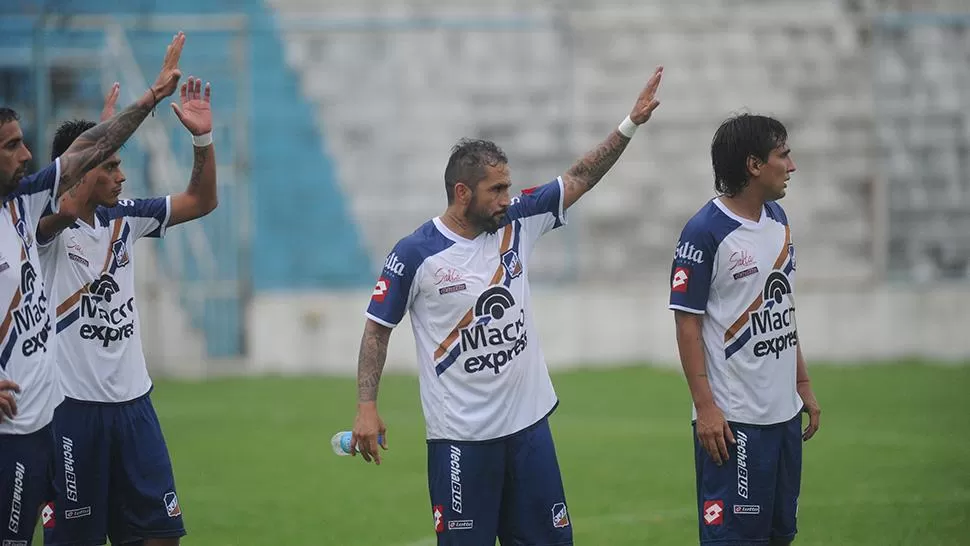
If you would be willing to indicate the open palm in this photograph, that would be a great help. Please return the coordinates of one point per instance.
(195, 111)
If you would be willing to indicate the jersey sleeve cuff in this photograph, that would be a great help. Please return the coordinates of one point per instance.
(55, 202)
(561, 213)
(163, 227)
(380, 321)
(674, 307)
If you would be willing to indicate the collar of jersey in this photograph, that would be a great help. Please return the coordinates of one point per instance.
(451, 234)
(743, 221)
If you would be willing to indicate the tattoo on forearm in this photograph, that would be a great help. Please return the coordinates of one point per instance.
(98, 143)
(370, 365)
(595, 164)
(201, 157)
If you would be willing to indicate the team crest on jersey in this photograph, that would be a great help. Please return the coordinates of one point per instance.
(172, 505)
(513, 266)
(120, 250)
(560, 517)
(24, 231)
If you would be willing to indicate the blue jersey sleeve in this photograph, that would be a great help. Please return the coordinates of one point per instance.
(147, 217)
(37, 191)
(542, 206)
(393, 292)
(693, 268)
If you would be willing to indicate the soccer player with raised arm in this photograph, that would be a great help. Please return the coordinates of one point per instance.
(732, 293)
(113, 477)
(29, 390)
(485, 388)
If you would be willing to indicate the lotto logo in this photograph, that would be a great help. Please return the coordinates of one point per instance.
(380, 290)
(439, 518)
(47, 515)
(679, 282)
(713, 512)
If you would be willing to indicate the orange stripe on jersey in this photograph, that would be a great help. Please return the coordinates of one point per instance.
(743, 319)
(467, 319)
(71, 301)
(5, 326)
(780, 260)
(114, 237)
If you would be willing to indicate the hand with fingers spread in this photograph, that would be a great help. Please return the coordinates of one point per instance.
(714, 433)
(170, 74)
(110, 101)
(647, 101)
(195, 111)
(8, 404)
(369, 432)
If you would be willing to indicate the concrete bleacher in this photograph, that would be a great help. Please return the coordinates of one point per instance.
(396, 83)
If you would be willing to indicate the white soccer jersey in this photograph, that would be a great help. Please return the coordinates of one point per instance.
(740, 275)
(99, 351)
(482, 373)
(27, 332)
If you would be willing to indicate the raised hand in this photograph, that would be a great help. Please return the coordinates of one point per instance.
(109, 102)
(195, 113)
(647, 101)
(169, 75)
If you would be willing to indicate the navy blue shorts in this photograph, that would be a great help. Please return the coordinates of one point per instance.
(754, 496)
(510, 489)
(26, 466)
(112, 476)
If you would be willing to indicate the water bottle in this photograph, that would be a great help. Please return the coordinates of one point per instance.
(341, 442)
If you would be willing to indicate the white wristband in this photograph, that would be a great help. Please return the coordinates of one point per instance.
(627, 128)
(201, 141)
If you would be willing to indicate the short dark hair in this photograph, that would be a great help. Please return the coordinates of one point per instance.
(737, 139)
(66, 134)
(467, 163)
(7, 115)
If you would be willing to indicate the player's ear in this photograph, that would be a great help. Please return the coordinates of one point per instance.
(463, 193)
(753, 165)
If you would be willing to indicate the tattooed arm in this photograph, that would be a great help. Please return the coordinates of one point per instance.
(199, 198)
(101, 141)
(195, 113)
(370, 362)
(587, 172)
(369, 429)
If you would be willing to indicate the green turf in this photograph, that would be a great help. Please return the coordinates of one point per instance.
(254, 464)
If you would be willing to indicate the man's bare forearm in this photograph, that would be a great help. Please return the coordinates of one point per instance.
(98, 143)
(690, 343)
(593, 166)
(370, 363)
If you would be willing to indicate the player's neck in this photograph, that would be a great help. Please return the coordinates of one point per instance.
(460, 225)
(747, 205)
(86, 213)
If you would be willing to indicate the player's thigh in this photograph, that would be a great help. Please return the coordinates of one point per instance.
(788, 485)
(25, 475)
(82, 460)
(534, 509)
(465, 483)
(145, 501)
(735, 499)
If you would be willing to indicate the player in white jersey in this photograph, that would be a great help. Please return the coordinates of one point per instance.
(107, 425)
(29, 389)
(485, 388)
(732, 292)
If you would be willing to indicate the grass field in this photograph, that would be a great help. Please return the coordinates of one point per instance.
(254, 466)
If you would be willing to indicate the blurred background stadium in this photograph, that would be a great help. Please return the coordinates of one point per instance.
(334, 121)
